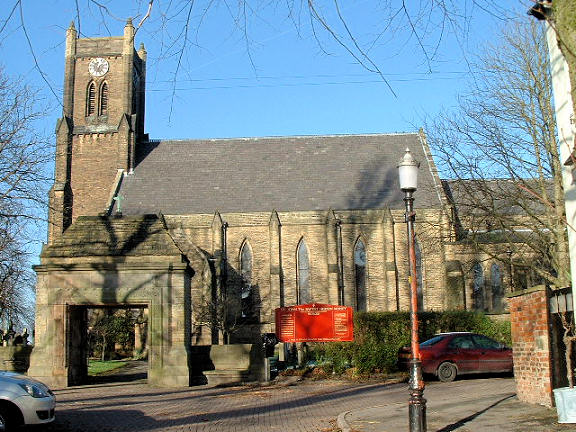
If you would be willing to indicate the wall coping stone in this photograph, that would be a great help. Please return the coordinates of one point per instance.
(110, 266)
(530, 290)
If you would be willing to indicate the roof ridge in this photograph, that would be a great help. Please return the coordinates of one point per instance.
(153, 140)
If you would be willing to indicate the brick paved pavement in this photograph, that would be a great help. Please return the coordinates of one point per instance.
(309, 406)
(466, 405)
(306, 407)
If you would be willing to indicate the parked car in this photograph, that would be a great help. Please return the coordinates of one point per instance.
(24, 401)
(448, 355)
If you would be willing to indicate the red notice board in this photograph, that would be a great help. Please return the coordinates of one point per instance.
(314, 323)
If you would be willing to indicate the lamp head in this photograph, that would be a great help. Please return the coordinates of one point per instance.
(408, 172)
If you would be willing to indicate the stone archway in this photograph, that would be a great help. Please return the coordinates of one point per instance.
(114, 262)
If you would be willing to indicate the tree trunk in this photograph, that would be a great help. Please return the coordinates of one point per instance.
(568, 342)
(103, 354)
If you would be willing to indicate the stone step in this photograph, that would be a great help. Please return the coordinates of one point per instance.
(229, 376)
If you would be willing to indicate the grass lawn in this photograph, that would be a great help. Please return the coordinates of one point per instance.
(97, 367)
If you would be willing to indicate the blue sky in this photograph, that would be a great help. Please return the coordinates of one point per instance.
(277, 80)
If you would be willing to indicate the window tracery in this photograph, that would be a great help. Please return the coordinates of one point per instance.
(303, 276)
(246, 273)
(360, 275)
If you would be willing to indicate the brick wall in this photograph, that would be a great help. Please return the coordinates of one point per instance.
(531, 345)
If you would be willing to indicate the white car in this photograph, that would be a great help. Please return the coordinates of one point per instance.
(24, 401)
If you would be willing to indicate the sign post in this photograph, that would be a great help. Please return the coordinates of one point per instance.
(314, 322)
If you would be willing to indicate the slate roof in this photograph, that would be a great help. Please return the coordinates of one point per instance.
(340, 172)
(505, 197)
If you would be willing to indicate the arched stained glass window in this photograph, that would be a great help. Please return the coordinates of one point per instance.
(303, 276)
(360, 275)
(246, 273)
(478, 286)
(497, 291)
(91, 99)
(456, 291)
(104, 99)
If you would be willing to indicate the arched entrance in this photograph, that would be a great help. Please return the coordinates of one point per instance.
(115, 263)
(101, 337)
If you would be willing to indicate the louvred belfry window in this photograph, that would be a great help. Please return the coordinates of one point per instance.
(104, 99)
(91, 99)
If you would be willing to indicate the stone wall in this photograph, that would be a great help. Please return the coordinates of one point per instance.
(227, 364)
(531, 346)
(14, 350)
(15, 358)
(274, 239)
(461, 258)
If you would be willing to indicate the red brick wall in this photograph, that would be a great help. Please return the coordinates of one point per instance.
(531, 345)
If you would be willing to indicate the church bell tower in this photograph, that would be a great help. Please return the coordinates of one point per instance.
(102, 123)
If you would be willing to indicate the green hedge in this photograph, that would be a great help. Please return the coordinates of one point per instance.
(379, 335)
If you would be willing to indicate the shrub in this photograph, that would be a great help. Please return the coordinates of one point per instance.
(379, 335)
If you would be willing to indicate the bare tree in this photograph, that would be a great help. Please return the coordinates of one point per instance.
(500, 146)
(24, 154)
(429, 21)
(357, 31)
(230, 308)
(16, 282)
(220, 314)
(369, 33)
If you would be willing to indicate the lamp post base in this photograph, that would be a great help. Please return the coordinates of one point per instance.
(417, 411)
(416, 403)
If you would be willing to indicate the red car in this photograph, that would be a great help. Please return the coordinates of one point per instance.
(447, 355)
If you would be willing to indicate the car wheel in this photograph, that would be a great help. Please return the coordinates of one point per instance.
(8, 419)
(447, 372)
(3, 420)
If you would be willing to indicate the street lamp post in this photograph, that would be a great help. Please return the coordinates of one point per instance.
(408, 175)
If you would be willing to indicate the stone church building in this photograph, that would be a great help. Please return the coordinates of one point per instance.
(210, 236)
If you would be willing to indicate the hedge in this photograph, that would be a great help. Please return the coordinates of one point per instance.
(378, 336)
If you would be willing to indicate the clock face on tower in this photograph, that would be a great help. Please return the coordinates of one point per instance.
(98, 67)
